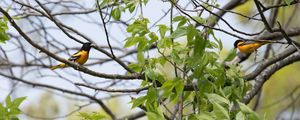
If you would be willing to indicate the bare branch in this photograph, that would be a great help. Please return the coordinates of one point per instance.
(105, 29)
(267, 73)
(106, 109)
(78, 67)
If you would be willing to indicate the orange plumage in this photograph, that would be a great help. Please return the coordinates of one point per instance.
(79, 57)
(248, 46)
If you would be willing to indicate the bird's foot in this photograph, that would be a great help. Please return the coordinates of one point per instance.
(77, 66)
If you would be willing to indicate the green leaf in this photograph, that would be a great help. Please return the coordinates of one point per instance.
(14, 112)
(84, 115)
(140, 57)
(3, 24)
(175, 57)
(200, 20)
(215, 98)
(139, 26)
(167, 88)
(138, 101)
(116, 13)
(8, 101)
(132, 7)
(190, 33)
(202, 116)
(166, 42)
(11, 110)
(142, 44)
(288, 2)
(130, 42)
(178, 18)
(244, 108)
(179, 86)
(153, 37)
(151, 74)
(92, 116)
(3, 37)
(161, 60)
(16, 102)
(179, 32)
(231, 55)
(240, 116)
(212, 45)
(162, 30)
(200, 44)
(220, 112)
(135, 67)
(103, 3)
(151, 95)
(3, 28)
(217, 40)
(2, 111)
(145, 2)
(154, 116)
(181, 23)
(248, 111)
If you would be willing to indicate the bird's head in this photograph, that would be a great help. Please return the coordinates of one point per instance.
(237, 42)
(86, 46)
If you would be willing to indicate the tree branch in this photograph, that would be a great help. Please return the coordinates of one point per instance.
(269, 62)
(267, 73)
(105, 29)
(69, 63)
(106, 109)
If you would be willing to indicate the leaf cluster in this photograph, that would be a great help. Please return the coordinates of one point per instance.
(3, 30)
(118, 7)
(11, 110)
(195, 59)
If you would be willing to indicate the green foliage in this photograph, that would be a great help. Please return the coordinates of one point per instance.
(218, 89)
(117, 8)
(11, 110)
(231, 55)
(288, 1)
(246, 113)
(116, 13)
(181, 20)
(216, 92)
(3, 28)
(92, 116)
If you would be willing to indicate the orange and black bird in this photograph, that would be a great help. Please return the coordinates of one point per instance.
(79, 57)
(249, 46)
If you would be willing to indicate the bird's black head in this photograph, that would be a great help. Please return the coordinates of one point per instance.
(236, 43)
(86, 46)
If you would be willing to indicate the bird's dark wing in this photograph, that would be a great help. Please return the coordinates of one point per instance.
(75, 56)
(247, 42)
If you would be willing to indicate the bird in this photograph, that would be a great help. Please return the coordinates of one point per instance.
(248, 47)
(79, 57)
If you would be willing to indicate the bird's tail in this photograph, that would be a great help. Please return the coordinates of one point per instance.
(263, 42)
(58, 66)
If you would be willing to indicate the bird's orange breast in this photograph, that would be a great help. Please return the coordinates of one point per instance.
(84, 55)
(249, 48)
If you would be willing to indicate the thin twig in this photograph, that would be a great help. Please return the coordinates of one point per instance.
(258, 6)
(105, 29)
(289, 40)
